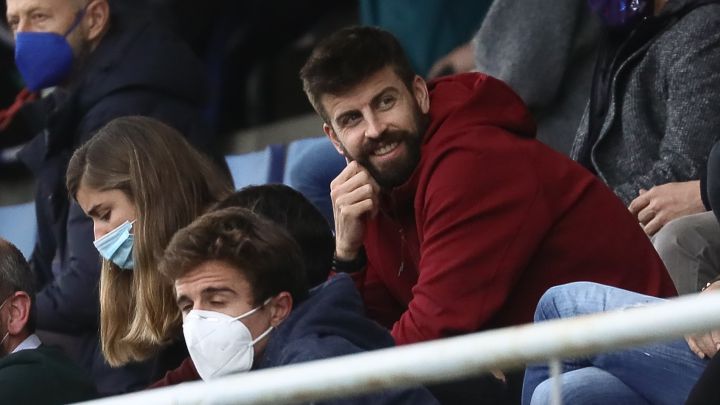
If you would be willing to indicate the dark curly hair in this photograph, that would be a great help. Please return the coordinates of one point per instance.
(260, 250)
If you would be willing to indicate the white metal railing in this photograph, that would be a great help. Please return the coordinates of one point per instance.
(446, 359)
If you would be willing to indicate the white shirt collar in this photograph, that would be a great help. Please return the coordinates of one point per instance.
(31, 342)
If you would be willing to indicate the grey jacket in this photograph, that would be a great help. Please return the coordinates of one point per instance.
(545, 51)
(664, 111)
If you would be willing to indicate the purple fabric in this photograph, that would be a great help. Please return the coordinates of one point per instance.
(619, 14)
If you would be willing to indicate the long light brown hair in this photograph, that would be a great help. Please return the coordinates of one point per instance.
(170, 184)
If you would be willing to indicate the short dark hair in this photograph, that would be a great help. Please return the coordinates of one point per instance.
(15, 275)
(291, 210)
(260, 250)
(349, 56)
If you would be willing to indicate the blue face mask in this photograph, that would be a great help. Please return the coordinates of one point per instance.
(117, 246)
(621, 14)
(44, 59)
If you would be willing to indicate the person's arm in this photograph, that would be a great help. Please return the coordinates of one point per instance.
(661, 204)
(459, 60)
(513, 45)
(310, 349)
(354, 195)
(693, 124)
(70, 303)
(480, 231)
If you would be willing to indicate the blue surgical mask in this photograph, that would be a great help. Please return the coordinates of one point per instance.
(44, 59)
(117, 246)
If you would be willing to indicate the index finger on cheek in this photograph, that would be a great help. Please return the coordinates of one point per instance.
(369, 177)
(348, 172)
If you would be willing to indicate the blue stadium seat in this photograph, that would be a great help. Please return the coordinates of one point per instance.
(310, 167)
(265, 166)
(18, 225)
(296, 154)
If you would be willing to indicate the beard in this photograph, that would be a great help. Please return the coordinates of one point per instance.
(81, 54)
(397, 172)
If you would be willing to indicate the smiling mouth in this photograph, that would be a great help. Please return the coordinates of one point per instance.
(385, 149)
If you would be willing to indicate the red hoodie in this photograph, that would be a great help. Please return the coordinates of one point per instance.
(489, 220)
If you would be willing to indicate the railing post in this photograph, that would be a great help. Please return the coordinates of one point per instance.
(555, 379)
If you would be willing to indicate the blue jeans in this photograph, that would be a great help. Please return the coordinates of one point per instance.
(654, 374)
(312, 171)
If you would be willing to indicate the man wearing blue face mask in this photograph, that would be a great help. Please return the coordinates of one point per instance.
(241, 286)
(25, 363)
(104, 59)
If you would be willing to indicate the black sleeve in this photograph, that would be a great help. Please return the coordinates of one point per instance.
(712, 182)
(70, 303)
(706, 390)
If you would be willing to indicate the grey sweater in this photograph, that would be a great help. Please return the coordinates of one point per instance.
(663, 116)
(545, 51)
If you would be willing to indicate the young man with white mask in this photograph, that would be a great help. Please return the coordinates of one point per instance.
(241, 287)
(25, 363)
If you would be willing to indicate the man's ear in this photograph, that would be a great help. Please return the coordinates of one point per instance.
(19, 312)
(330, 132)
(97, 17)
(422, 96)
(280, 308)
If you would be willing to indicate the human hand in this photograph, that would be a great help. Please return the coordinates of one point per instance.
(706, 344)
(460, 60)
(661, 204)
(354, 195)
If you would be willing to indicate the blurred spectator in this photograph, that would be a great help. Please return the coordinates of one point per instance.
(288, 208)
(433, 33)
(31, 373)
(107, 59)
(547, 59)
(138, 181)
(437, 212)
(15, 122)
(250, 50)
(240, 273)
(652, 116)
(320, 165)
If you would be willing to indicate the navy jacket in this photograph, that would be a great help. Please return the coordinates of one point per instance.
(330, 323)
(137, 69)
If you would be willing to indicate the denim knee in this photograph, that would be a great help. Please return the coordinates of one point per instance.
(553, 302)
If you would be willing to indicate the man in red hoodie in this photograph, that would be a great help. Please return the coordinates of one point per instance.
(451, 215)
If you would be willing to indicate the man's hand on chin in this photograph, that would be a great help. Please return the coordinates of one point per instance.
(354, 195)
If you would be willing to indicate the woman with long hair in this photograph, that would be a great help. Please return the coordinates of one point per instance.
(140, 181)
